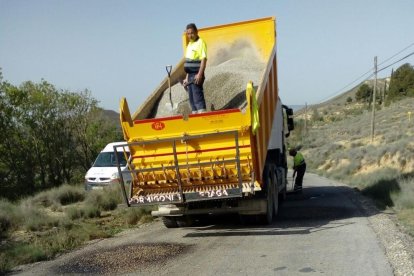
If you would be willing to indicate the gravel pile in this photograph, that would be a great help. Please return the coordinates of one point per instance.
(227, 73)
(122, 259)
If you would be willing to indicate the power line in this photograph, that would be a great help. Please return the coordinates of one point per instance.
(336, 93)
(397, 53)
(412, 53)
(354, 81)
(370, 70)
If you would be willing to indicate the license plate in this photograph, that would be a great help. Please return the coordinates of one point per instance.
(213, 193)
(97, 187)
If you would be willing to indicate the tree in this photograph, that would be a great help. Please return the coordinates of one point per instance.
(48, 136)
(16, 155)
(402, 82)
(364, 93)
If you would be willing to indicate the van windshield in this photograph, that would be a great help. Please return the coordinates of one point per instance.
(107, 159)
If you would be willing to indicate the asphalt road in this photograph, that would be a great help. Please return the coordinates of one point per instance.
(324, 231)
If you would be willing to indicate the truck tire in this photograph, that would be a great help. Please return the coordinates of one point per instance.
(247, 219)
(284, 182)
(170, 222)
(268, 176)
(276, 192)
(282, 196)
(184, 221)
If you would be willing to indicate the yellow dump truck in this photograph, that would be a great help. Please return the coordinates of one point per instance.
(230, 159)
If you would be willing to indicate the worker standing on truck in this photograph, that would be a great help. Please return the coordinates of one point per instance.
(299, 168)
(194, 66)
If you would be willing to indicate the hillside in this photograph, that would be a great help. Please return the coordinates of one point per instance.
(342, 98)
(392, 146)
(341, 102)
(337, 144)
(111, 116)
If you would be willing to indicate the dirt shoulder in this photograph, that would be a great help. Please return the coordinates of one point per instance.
(398, 245)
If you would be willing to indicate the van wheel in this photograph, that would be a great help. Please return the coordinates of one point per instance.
(170, 222)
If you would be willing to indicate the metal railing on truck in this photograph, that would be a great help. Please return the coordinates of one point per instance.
(185, 181)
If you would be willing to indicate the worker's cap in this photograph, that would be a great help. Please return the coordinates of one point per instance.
(191, 26)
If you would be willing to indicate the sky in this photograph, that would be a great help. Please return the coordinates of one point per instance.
(120, 48)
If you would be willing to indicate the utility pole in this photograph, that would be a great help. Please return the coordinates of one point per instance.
(373, 100)
(385, 92)
(306, 118)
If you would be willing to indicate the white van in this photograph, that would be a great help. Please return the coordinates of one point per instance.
(104, 170)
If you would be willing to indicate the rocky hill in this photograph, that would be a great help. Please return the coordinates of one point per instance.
(111, 115)
(337, 143)
(341, 105)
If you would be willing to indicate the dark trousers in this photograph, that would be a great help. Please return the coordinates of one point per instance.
(300, 172)
(195, 94)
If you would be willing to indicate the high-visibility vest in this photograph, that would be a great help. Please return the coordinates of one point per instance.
(195, 52)
(298, 160)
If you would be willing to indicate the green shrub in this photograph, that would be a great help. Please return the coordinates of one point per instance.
(404, 199)
(74, 212)
(67, 194)
(134, 215)
(66, 224)
(56, 207)
(20, 253)
(91, 211)
(146, 218)
(45, 198)
(381, 192)
(87, 211)
(10, 217)
(94, 232)
(369, 179)
(106, 199)
(36, 220)
(343, 172)
(43, 247)
(61, 240)
(63, 195)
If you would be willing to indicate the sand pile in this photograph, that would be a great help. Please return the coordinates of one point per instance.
(227, 73)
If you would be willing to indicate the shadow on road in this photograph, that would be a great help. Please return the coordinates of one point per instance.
(316, 209)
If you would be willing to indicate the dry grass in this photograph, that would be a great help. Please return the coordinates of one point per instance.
(406, 216)
(104, 200)
(10, 219)
(54, 221)
(339, 146)
(404, 199)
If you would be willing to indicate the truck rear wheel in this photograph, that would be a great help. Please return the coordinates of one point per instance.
(184, 221)
(170, 222)
(268, 177)
(276, 192)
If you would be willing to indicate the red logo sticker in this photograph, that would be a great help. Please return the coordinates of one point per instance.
(158, 125)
